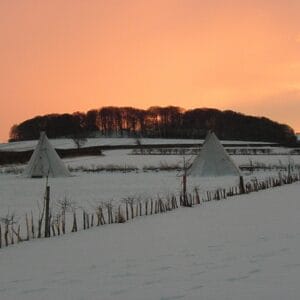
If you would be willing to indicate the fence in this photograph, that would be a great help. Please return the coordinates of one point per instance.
(68, 217)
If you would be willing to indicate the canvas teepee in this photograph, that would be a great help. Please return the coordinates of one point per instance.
(213, 160)
(45, 161)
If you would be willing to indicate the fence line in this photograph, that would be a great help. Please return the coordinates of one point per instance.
(129, 208)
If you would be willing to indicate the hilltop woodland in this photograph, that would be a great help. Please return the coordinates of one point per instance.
(154, 122)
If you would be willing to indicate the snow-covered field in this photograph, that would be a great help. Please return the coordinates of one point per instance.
(68, 143)
(245, 247)
(20, 195)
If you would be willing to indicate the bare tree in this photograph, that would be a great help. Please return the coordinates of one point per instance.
(8, 222)
(139, 145)
(185, 167)
(79, 140)
(109, 207)
(65, 205)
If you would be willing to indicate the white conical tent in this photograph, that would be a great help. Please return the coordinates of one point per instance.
(213, 160)
(45, 162)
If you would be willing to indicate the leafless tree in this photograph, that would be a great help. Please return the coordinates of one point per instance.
(65, 205)
(79, 140)
(8, 221)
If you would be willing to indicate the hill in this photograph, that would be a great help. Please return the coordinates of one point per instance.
(155, 122)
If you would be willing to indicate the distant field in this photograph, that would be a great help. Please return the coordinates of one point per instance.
(243, 239)
(21, 194)
(118, 174)
(68, 143)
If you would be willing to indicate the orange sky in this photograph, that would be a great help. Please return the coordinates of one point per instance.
(74, 55)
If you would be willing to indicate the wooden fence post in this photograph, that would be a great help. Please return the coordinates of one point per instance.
(47, 212)
(27, 227)
(84, 222)
(32, 226)
(74, 228)
(242, 185)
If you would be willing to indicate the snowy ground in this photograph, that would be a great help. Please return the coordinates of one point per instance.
(68, 143)
(20, 195)
(241, 248)
(124, 158)
(244, 247)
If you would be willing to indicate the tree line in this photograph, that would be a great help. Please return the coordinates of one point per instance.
(155, 122)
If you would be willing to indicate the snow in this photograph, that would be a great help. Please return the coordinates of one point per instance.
(68, 143)
(124, 158)
(20, 195)
(245, 247)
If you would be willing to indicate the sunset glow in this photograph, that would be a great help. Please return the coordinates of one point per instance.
(64, 56)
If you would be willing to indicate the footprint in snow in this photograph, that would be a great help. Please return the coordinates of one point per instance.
(21, 280)
(232, 279)
(292, 266)
(165, 268)
(118, 292)
(122, 275)
(238, 278)
(254, 271)
(197, 287)
(173, 297)
(30, 291)
(198, 273)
